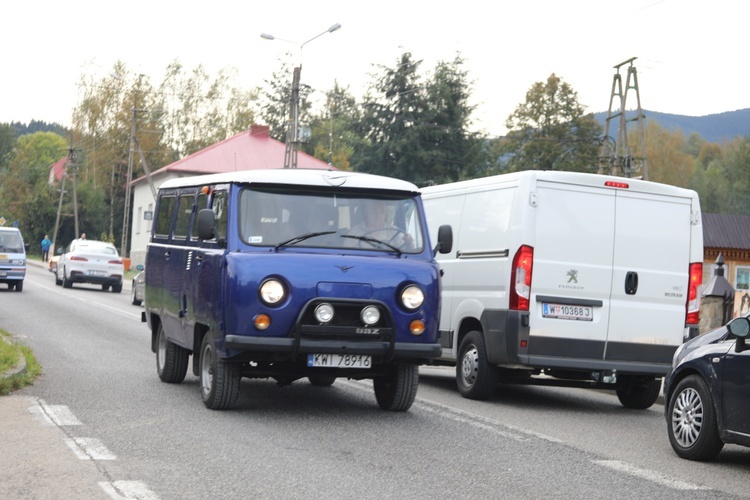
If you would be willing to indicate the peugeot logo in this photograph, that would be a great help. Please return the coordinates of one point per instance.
(345, 268)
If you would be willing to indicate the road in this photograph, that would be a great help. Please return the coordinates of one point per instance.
(154, 440)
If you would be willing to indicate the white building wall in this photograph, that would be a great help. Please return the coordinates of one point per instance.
(143, 210)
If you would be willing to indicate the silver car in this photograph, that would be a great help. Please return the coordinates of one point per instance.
(136, 291)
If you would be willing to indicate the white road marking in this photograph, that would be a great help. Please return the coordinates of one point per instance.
(128, 490)
(649, 475)
(89, 449)
(59, 415)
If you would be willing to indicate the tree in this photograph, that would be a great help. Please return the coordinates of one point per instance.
(551, 131)
(667, 154)
(332, 138)
(7, 143)
(276, 101)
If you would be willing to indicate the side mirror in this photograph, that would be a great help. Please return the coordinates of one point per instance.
(445, 240)
(206, 223)
(740, 328)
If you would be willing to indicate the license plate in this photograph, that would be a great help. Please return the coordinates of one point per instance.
(3, 273)
(97, 273)
(563, 311)
(339, 360)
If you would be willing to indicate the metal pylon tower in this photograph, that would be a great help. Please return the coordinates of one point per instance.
(617, 156)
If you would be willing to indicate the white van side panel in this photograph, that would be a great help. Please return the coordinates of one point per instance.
(652, 240)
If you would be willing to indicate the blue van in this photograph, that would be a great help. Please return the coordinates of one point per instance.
(12, 258)
(293, 273)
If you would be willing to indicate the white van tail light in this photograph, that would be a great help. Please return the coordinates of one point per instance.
(520, 278)
(693, 314)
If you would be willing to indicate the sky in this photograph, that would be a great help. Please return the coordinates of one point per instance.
(691, 54)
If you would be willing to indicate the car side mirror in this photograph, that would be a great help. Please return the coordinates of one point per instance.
(445, 240)
(739, 328)
(206, 224)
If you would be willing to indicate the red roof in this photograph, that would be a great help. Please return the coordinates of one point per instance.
(250, 150)
(58, 169)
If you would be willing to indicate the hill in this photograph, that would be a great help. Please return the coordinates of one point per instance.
(720, 127)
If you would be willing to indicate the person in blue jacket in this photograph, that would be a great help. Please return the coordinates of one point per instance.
(46, 243)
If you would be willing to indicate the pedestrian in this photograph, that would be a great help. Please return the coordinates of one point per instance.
(83, 236)
(46, 244)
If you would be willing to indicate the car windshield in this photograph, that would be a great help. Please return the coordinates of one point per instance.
(95, 247)
(10, 242)
(283, 218)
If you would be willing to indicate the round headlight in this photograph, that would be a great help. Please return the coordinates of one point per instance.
(324, 313)
(272, 292)
(412, 297)
(370, 315)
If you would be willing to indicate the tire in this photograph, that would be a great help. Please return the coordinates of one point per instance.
(319, 381)
(58, 281)
(691, 421)
(476, 377)
(133, 300)
(171, 359)
(11, 286)
(19, 286)
(66, 283)
(396, 391)
(220, 381)
(117, 287)
(639, 395)
(105, 288)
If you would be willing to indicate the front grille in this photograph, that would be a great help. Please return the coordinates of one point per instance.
(346, 323)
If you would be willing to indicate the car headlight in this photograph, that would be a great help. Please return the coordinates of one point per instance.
(412, 297)
(272, 292)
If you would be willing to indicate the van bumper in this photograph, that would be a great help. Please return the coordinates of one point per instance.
(399, 350)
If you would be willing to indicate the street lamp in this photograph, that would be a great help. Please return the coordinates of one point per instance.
(292, 135)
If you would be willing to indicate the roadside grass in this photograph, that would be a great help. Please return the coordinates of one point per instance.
(9, 358)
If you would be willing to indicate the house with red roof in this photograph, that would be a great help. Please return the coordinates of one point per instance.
(249, 150)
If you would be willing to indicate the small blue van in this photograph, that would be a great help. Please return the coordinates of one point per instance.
(290, 274)
(12, 258)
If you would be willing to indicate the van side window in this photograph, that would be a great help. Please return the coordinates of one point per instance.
(165, 209)
(184, 215)
(219, 207)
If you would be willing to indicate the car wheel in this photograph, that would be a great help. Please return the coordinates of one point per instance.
(692, 427)
(638, 394)
(105, 288)
(171, 359)
(319, 381)
(11, 286)
(476, 377)
(66, 283)
(58, 281)
(220, 381)
(398, 388)
(19, 286)
(133, 299)
(117, 287)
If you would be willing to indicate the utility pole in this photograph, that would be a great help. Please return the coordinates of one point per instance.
(70, 168)
(292, 138)
(129, 178)
(616, 157)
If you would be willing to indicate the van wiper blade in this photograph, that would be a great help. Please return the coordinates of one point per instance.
(302, 237)
(374, 241)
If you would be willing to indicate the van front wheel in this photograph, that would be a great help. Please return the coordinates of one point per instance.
(220, 381)
(171, 359)
(397, 390)
(476, 377)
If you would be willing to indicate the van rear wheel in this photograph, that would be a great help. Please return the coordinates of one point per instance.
(171, 359)
(397, 390)
(220, 381)
(319, 381)
(638, 394)
(476, 377)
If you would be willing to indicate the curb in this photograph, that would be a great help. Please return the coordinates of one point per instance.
(20, 368)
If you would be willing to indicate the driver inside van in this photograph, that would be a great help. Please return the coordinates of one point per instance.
(375, 224)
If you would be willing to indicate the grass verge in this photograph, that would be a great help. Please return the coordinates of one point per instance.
(9, 356)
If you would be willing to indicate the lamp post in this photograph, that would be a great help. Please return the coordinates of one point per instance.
(292, 135)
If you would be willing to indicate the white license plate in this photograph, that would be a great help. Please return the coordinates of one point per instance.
(339, 360)
(97, 273)
(564, 311)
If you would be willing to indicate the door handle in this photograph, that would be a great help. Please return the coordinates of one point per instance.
(631, 282)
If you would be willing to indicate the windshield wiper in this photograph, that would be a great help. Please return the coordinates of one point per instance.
(375, 241)
(302, 237)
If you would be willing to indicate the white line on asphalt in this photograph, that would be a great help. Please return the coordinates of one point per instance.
(54, 414)
(89, 449)
(128, 490)
(649, 475)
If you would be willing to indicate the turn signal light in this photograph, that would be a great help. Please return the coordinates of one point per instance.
(262, 321)
(416, 327)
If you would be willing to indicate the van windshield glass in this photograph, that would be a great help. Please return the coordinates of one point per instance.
(305, 218)
(10, 242)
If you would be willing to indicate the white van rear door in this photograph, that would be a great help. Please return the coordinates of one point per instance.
(572, 274)
(652, 254)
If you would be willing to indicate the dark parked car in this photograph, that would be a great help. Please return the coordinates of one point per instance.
(707, 392)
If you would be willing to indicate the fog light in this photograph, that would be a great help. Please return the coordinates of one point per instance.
(416, 327)
(262, 321)
(370, 315)
(324, 313)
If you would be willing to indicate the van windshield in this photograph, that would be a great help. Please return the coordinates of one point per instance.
(281, 217)
(10, 242)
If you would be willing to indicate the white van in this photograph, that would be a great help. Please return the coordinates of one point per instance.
(566, 278)
(12, 258)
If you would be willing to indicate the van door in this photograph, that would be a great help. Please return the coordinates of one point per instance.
(572, 273)
(650, 276)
